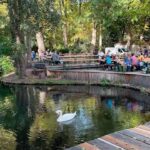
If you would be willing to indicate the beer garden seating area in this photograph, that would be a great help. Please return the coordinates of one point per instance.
(81, 62)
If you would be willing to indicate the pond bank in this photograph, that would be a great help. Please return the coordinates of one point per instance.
(134, 81)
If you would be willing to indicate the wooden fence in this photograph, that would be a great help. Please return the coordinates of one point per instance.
(96, 77)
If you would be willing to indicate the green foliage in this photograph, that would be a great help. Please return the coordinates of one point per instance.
(64, 50)
(5, 41)
(117, 18)
(5, 46)
(75, 50)
(6, 64)
(71, 49)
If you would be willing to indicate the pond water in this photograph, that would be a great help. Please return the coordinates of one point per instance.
(28, 120)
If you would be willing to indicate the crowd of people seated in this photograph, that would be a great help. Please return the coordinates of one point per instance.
(129, 62)
(54, 56)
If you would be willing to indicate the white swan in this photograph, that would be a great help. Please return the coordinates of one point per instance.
(65, 117)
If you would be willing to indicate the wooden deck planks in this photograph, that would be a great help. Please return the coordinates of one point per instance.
(144, 128)
(141, 131)
(130, 139)
(135, 136)
(147, 125)
(120, 143)
(88, 146)
(102, 145)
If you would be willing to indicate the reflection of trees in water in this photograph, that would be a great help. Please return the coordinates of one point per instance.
(115, 119)
(42, 131)
(103, 91)
(30, 113)
(65, 102)
(45, 132)
(7, 139)
(141, 98)
(26, 108)
(18, 113)
(6, 111)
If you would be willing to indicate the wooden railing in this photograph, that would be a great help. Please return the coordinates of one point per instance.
(75, 59)
(79, 56)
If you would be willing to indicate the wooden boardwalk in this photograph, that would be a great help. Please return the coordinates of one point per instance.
(130, 139)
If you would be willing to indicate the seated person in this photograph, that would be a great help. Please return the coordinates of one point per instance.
(113, 56)
(101, 56)
(33, 55)
(108, 60)
(55, 58)
(141, 61)
(128, 62)
(118, 64)
(134, 62)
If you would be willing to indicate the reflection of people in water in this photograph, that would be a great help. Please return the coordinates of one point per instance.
(110, 103)
(133, 105)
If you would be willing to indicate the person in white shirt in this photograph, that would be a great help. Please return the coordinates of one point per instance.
(101, 54)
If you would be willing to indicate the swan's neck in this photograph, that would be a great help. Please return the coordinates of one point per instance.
(60, 114)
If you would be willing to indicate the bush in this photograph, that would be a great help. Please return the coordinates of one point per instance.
(64, 50)
(6, 64)
(71, 49)
(5, 46)
(76, 51)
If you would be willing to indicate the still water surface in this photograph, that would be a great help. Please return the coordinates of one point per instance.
(28, 118)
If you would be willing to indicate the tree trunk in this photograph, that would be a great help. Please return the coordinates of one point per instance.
(129, 36)
(129, 40)
(65, 38)
(100, 37)
(28, 46)
(63, 12)
(15, 13)
(20, 58)
(93, 40)
(40, 42)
